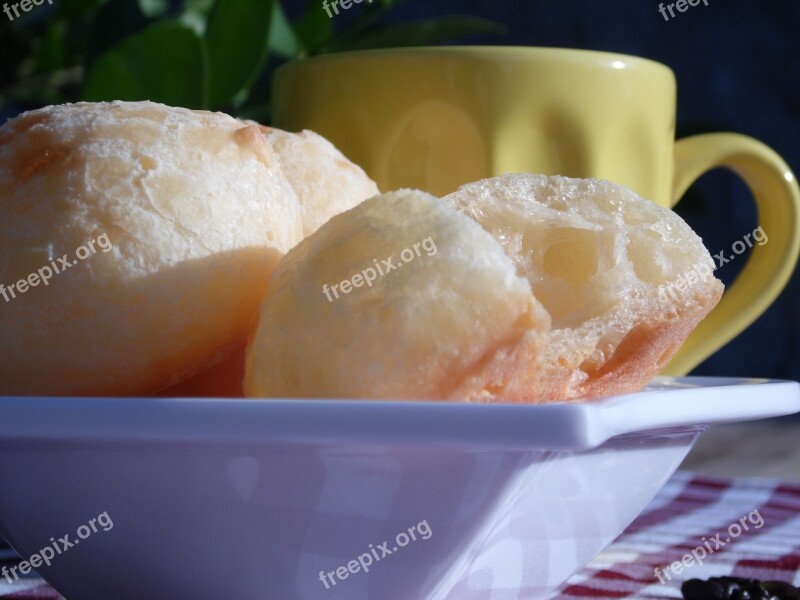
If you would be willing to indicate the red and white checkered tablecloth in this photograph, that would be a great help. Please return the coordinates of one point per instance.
(686, 514)
(691, 513)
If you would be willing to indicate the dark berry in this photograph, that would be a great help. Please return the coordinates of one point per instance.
(732, 586)
(781, 590)
(738, 588)
(697, 589)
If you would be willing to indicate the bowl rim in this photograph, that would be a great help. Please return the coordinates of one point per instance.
(668, 402)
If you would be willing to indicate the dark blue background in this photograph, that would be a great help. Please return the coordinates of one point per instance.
(735, 62)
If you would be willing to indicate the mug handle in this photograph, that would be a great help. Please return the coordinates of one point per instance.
(770, 265)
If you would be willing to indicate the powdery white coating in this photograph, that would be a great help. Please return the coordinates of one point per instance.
(609, 267)
(325, 181)
(457, 323)
(198, 212)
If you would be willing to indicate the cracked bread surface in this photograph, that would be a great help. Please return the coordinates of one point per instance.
(609, 267)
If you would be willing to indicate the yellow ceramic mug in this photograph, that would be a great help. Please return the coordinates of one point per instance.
(435, 118)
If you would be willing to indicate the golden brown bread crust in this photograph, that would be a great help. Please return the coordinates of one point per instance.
(639, 357)
(610, 303)
(197, 212)
(610, 267)
(454, 322)
(507, 372)
(326, 182)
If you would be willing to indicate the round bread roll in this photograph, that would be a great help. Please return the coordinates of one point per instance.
(136, 241)
(325, 181)
(326, 184)
(624, 280)
(400, 297)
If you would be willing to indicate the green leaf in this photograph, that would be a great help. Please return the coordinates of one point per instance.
(201, 6)
(282, 38)
(49, 54)
(314, 28)
(237, 44)
(153, 8)
(422, 33)
(194, 21)
(163, 63)
(78, 7)
(195, 14)
(114, 21)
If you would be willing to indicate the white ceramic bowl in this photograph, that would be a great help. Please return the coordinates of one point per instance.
(267, 500)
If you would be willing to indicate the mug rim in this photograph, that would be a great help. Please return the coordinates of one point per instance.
(615, 60)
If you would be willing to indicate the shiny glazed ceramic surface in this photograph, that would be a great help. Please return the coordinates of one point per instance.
(260, 499)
